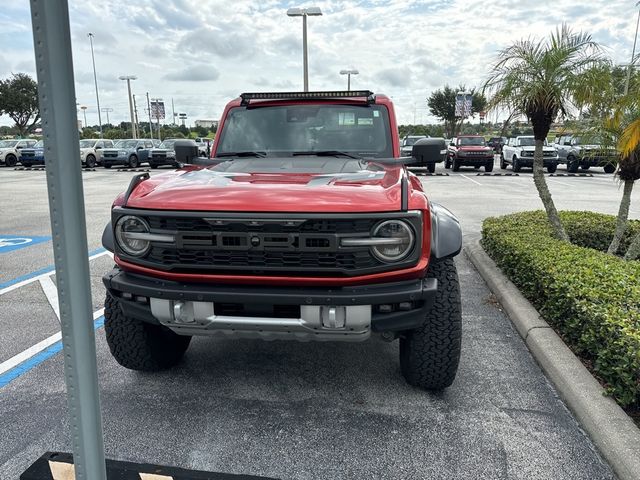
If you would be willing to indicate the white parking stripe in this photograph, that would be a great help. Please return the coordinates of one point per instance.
(553, 180)
(47, 274)
(37, 348)
(51, 292)
(471, 179)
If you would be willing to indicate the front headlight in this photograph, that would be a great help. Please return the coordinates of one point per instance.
(396, 240)
(122, 153)
(132, 233)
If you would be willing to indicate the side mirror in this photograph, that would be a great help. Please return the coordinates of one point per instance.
(98, 148)
(430, 150)
(19, 147)
(139, 148)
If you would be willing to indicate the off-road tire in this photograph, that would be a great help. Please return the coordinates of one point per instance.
(107, 165)
(516, 165)
(133, 161)
(153, 165)
(429, 355)
(431, 167)
(138, 345)
(585, 167)
(572, 164)
(552, 168)
(10, 160)
(503, 164)
(455, 165)
(90, 161)
(489, 166)
(609, 168)
(447, 163)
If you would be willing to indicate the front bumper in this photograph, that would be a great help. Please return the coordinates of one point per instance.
(474, 160)
(119, 160)
(312, 313)
(527, 162)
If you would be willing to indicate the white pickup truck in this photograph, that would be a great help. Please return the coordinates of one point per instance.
(518, 151)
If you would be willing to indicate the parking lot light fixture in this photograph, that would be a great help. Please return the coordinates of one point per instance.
(633, 53)
(128, 78)
(84, 113)
(348, 73)
(304, 13)
(95, 81)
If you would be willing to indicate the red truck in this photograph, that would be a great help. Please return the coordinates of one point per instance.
(469, 150)
(306, 226)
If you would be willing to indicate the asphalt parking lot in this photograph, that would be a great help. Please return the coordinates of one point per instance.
(295, 410)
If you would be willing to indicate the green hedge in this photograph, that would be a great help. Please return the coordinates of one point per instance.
(591, 298)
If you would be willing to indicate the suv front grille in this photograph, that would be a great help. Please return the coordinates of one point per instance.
(246, 244)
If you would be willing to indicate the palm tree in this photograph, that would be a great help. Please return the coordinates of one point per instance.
(539, 79)
(628, 172)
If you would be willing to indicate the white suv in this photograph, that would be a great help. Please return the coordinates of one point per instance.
(10, 150)
(518, 151)
(91, 151)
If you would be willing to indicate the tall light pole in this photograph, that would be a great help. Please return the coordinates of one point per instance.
(107, 110)
(304, 13)
(84, 113)
(348, 73)
(633, 53)
(95, 81)
(128, 78)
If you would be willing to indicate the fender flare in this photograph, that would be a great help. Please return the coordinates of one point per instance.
(446, 233)
(107, 238)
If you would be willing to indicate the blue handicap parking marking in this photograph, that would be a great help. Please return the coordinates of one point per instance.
(8, 243)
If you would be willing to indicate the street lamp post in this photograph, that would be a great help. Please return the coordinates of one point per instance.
(95, 81)
(304, 13)
(128, 78)
(633, 54)
(348, 73)
(84, 113)
(107, 110)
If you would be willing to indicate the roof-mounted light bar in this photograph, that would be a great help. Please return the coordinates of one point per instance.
(247, 97)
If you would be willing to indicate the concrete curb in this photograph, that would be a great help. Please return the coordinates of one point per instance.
(611, 430)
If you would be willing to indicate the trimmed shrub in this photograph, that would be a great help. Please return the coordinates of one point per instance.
(591, 298)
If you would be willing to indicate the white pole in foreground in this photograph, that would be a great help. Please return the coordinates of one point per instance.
(54, 65)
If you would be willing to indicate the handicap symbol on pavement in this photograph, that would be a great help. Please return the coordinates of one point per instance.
(8, 243)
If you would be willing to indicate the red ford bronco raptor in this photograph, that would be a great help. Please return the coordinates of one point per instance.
(305, 225)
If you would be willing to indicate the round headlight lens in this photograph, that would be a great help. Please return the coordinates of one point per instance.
(126, 228)
(398, 230)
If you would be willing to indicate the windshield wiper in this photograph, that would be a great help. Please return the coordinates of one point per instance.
(247, 153)
(326, 153)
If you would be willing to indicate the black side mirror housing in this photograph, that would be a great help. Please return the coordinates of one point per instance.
(429, 150)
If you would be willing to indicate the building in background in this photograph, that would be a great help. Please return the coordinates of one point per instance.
(210, 124)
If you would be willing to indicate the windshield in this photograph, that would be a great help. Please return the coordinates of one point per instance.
(39, 144)
(127, 144)
(475, 141)
(168, 144)
(8, 143)
(87, 143)
(361, 130)
(529, 142)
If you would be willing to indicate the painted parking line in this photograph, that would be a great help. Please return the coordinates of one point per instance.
(43, 272)
(553, 180)
(471, 179)
(30, 358)
(9, 243)
(51, 292)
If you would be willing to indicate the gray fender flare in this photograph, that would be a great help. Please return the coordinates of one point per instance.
(107, 238)
(446, 233)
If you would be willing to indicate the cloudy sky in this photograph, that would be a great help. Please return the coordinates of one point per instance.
(201, 53)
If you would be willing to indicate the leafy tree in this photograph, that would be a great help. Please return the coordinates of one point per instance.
(540, 79)
(442, 105)
(628, 172)
(19, 100)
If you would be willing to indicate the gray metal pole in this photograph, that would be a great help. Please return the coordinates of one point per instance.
(149, 110)
(95, 80)
(133, 123)
(633, 54)
(348, 82)
(54, 65)
(304, 52)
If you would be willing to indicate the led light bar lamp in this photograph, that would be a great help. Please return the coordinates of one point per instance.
(95, 81)
(128, 78)
(56, 94)
(304, 13)
(348, 73)
(633, 53)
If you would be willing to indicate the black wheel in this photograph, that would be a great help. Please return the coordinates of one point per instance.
(429, 355)
(572, 164)
(133, 161)
(585, 167)
(503, 164)
(516, 164)
(10, 160)
(27, 164)
(489, 166)
(153, 165)
(431, 167)
(552, 168)
(456, 165)
(609, 168)
(447, 163)
(138, 345)
(90, 161)
(107, 165)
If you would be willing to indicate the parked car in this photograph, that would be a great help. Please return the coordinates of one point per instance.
(10, 150)
(518, 152)
(581, 152)
(496, 143)
(130, 152)
(471, 150)
(164, 154)
(406, 147)
(204, 146)
(30, 156)
(91, 151)
(308, 228)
